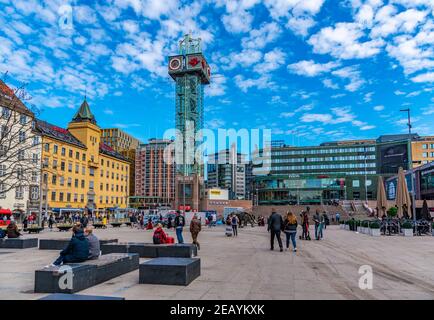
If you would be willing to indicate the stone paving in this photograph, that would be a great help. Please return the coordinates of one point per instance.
(244, 268)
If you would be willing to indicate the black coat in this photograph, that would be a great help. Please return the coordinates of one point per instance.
(275, 222)
(78, 247)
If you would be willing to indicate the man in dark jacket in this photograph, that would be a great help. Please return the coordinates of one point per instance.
(77, 249)
(84, 220)
(275, 225)
(179, 226)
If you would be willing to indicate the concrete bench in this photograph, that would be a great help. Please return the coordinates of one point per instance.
(75, 277)
(65, 296)
(171, 271)
(150, 250)
(18, 243)
(60, 244)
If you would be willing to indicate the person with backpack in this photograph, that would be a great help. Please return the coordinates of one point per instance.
(179, 226)
(234, 223)
(290, 229)
(275, 225)
(159, 237)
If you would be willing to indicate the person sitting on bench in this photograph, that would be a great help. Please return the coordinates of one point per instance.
(94, 248)
(77, 249)
(12, 231)
(160, 237)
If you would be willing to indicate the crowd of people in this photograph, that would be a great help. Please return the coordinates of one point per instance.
(276, 225)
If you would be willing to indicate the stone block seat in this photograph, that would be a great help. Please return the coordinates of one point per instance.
(75, 277)
(150, 250)
(18, 243)
(59, 244)
(169, 271)
(65, 296)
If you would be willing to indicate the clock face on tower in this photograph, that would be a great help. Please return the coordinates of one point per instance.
(175, 63)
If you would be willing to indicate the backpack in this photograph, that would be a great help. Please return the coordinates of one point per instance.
(156, 238)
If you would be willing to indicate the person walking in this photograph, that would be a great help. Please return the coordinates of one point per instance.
(290, 229)
(321, 227)
(305, 225)
(179, 226)
(338, 217)
(234, 223)
(326, 220)
(316, 219)
(50, 222)
(275, 225)
(195, 228)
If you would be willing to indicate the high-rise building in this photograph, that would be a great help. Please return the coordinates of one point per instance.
(227, 170)
(78, 170)
(190, 71)
(155, 175)
(125, 144)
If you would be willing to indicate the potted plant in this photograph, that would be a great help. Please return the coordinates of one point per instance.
(375, 229)
(407, 229)
(392, 212)
(64, 226)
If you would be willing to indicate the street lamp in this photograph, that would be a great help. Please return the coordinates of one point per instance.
(410, 165)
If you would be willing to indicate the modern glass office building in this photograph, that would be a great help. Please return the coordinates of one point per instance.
(309, 175)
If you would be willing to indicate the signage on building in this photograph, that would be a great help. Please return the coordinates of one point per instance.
(218, 194)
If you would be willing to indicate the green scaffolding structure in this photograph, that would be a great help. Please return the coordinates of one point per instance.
(191, 72)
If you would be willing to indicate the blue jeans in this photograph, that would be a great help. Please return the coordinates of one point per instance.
(179, 234)
(291, 236)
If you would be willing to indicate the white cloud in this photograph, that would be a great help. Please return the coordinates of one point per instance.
(217, 86)
(338, 115)
(425, 77)
(344, 41)
(310, 68)
(259, 38)
(263, 82)
(379, 108)
(353, 75)
(272, 61)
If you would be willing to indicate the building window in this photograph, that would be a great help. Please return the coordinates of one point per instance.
(102, 173)
(35, 158)
(83, 184)
(75, 197)
(76, 183)
(70, 153)
(83, 170)
(91, 185)
(77, 168)
(47, 147)
(35, 140)
(2, 170)
(425, 154)
(34, 176)
(22, 136)
(54, 179)
(19, 192)
(53, 196)
(84, 157)
(55, 149)
(61, 196)
(356, 183)
(102, 162)
(69, 167)
(54, 164)
(425, 146)
(91, 172)
(82, 198)
(77, 155)
(34, 192)
(2, 191)
(61, 181)
(62, 166)
(21, 155)
(68, 197)
(63, 152)
(69, 182)
(23, 119)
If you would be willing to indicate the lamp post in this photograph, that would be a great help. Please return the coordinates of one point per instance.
(410, 165)
(366, 177)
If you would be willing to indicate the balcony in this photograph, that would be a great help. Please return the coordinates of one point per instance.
(93, 164)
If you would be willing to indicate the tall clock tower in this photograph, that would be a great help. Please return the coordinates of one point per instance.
(190, 71)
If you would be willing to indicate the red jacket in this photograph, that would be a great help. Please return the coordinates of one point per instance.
(160, 234)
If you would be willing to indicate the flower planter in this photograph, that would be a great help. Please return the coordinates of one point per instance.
(407, 232)
(375, 232)
(359, 229)
(347, 227)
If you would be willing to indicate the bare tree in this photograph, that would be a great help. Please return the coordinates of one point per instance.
(20, 150)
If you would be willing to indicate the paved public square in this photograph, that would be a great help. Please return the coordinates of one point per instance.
(244, 268)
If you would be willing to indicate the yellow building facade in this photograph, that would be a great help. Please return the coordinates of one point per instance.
(78, 170)
(422, 151)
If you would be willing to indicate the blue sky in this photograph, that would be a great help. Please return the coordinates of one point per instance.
(312, 70)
